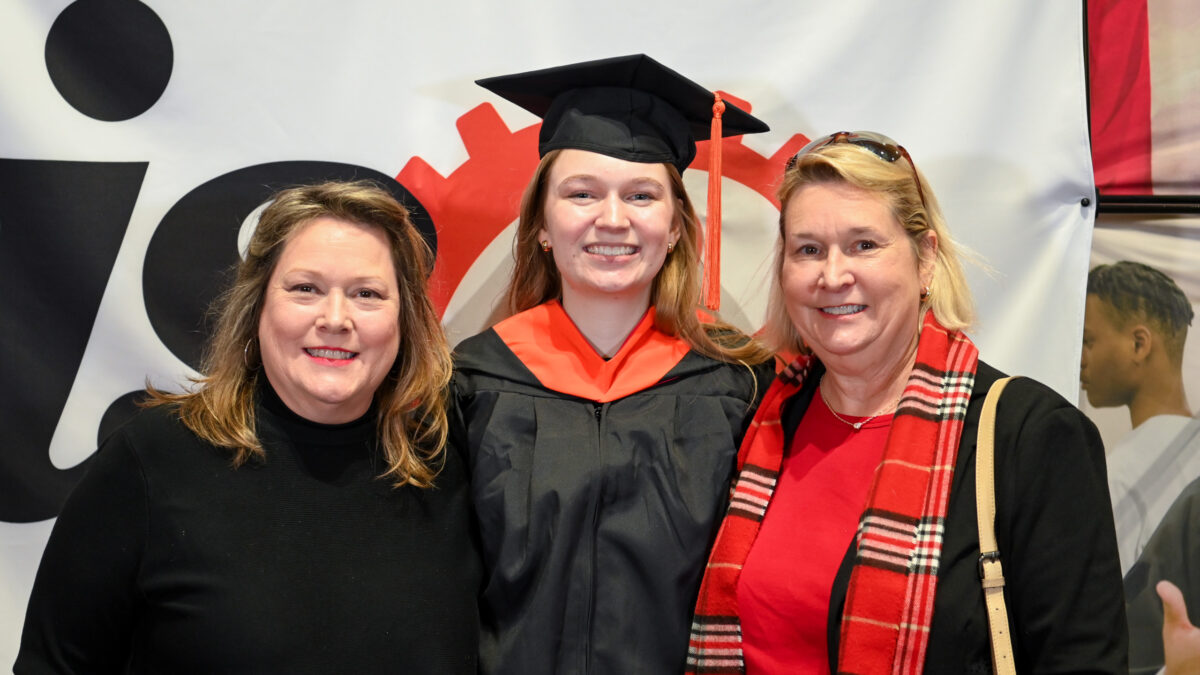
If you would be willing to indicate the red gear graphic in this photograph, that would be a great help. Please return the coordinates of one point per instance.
(474, 204)
(478, 200)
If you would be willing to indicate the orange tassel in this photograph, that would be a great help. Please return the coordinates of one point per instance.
(712, 239)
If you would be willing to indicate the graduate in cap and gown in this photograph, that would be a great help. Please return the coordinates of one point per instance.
(603, 416)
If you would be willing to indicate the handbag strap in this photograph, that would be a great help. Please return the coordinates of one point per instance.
(991, 573)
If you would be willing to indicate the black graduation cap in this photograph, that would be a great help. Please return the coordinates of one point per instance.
(629, 107)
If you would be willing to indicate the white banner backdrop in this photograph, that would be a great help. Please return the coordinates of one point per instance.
(989, 98)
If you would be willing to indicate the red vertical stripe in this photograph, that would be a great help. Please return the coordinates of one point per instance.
(1119, 70)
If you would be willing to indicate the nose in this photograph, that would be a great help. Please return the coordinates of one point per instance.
(335, 315)
(612, 212)
(835, 271)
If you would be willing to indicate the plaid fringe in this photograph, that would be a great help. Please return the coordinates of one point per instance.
(752, 492)
(889, 604)
(715, 646)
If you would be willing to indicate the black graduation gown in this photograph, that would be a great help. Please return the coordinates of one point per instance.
(596, 517)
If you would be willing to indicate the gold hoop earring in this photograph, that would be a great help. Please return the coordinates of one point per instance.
(246, 354)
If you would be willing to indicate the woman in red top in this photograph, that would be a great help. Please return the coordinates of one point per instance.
(851, 542)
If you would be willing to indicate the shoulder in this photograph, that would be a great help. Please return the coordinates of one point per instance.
(484, 353)
(161, 446)
(154, 421)
(484, 361)
(704, 373)
(476, 348)
(153, 428)
(1024, 400)
(1171, 546)
(1046, 451)
(1041, 440)
(148, 430)
(130, 460)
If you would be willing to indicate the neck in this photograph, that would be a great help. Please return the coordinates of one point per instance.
(1160, 396)
(605, 322)
(867, 391)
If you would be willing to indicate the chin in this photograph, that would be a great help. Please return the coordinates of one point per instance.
(337, 400)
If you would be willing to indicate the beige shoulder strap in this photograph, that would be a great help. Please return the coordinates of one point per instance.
(991, 573)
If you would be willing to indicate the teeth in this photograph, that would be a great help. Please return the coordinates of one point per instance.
(330, 353)
(844, 309)
(611, 250)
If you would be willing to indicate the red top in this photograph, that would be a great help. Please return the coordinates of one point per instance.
(783, 590)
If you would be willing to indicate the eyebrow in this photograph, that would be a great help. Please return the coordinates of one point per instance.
(587, 177)
(853, 232)
(307, 271)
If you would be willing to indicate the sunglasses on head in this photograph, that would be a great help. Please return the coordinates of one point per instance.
(879, 145)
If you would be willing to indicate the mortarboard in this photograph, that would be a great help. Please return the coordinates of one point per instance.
(628, 107)
(636, 109)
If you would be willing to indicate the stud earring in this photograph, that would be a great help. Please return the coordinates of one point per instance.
(545, 246)
(670, 246)
(924, 293)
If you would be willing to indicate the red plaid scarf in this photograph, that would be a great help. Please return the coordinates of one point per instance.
(889, 602)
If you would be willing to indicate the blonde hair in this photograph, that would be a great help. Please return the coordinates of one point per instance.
(675, 294)
(949, 297)
(411, 400)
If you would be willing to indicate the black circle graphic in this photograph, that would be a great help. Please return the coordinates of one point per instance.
(109, 59)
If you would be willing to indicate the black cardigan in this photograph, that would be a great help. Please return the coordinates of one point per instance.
(1054, 526)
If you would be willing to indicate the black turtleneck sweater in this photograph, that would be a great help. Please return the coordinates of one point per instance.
(166, 559)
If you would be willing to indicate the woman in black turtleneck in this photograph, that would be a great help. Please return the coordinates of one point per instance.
(300, 511)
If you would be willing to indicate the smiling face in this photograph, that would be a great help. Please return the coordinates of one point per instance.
(1107, 358)
(850, 276)
(609, 223)
(330, 330)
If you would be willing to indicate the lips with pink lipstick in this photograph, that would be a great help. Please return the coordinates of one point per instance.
(611, 250)
(843, 310)
(330, 355)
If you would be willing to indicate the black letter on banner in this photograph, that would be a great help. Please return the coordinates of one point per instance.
(61, 226)
(194, 249)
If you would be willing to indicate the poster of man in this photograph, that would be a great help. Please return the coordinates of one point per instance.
(1140, 382)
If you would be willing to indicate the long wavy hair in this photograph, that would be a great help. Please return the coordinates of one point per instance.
(675, 293)
(949, 296)
(411, 400)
